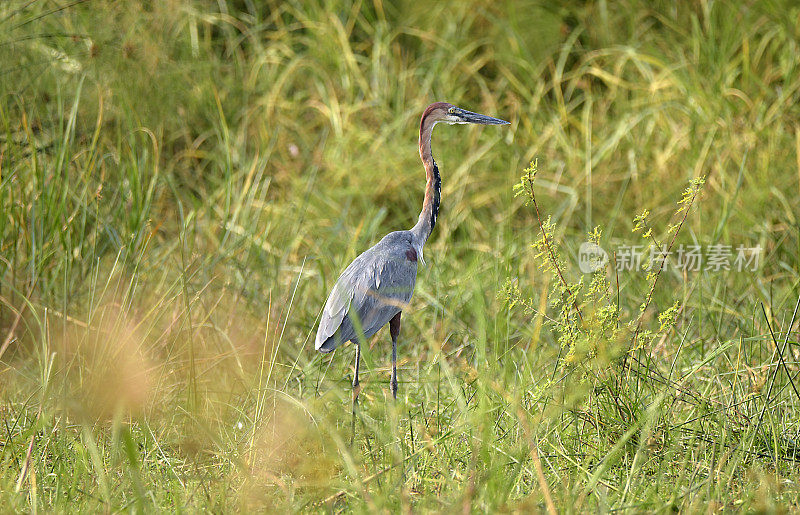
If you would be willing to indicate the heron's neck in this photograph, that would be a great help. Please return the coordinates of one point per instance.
(430, 206)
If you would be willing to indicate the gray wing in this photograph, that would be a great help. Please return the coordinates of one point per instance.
(375, 287)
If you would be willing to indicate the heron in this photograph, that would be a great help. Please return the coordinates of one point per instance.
(375, 288)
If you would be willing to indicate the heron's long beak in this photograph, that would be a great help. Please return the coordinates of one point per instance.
(482, 119)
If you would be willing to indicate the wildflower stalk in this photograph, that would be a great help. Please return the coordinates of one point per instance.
(686, 202)
(530, 173)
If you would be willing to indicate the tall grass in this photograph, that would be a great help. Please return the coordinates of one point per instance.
(181, 183)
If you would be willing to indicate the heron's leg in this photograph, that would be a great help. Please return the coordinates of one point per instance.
(356, 390)
(356, 387)
(394, 330)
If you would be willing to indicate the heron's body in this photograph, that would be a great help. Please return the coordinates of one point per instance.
(375, 288)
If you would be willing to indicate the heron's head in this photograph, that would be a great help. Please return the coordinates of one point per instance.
(450, 114)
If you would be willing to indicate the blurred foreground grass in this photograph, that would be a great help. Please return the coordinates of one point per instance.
(181, 182)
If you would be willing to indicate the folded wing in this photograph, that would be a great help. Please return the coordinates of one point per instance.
(374, 288)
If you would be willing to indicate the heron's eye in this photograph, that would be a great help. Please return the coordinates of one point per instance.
(452, 110)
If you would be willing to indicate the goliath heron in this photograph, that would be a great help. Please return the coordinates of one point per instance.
(378, 284)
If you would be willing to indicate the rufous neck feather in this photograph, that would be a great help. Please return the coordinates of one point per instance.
(430, 206)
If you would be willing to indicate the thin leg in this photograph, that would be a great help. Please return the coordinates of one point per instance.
(394, 329)
(356, 391)
(356, 387)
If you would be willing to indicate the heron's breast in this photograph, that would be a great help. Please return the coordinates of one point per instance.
(411, 255)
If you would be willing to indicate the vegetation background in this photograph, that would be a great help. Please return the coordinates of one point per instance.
(182, 181)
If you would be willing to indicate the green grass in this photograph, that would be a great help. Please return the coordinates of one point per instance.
(181, 183)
